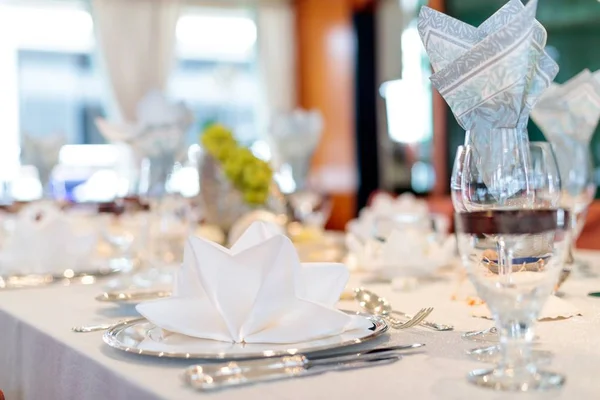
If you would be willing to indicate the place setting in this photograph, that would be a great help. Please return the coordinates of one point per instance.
(202, 222)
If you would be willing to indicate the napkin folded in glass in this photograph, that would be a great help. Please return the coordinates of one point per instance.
(160, 127)
(491, 76)
(571, 109)
(568, 115)
(255, 292)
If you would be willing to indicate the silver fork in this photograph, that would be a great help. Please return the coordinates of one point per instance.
(415, 320)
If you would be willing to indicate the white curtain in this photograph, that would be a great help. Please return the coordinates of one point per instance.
(137, 43)
(277, 56)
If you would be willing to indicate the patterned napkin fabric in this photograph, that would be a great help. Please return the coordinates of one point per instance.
(491, 76)
(568, 115)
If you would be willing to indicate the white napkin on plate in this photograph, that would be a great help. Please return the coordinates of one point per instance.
(255, 292)
(386, 205)
(46, 240)
(554, 308)
(404, 253)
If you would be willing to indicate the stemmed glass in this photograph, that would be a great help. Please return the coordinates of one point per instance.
(490, 334)
(513, 243)
(578, 186)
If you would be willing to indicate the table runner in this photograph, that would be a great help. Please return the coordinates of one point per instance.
(40, 358)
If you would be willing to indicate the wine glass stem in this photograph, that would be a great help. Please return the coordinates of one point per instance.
(515, 345)
(504, 261)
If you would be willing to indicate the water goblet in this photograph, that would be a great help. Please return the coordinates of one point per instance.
(514, 279)
(539, 186)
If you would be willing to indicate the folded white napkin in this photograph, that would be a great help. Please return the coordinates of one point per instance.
(160, 127)
(255, 292)
(386, 205)
(404, 253)
(42, 152)
(554, 308)
(46, 240)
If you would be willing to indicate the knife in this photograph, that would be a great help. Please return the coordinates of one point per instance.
(218, 376)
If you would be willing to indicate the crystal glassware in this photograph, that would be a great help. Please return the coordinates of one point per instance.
(538, 186)
(578, 187)
(514, 259)
(489, 334)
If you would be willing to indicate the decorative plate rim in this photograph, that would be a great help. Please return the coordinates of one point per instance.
(110, 338)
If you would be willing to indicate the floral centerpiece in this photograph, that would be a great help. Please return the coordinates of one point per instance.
(233, 181)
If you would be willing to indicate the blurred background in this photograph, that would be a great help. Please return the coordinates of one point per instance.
(360, 63)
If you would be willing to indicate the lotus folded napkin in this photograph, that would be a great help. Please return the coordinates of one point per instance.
(255, 292)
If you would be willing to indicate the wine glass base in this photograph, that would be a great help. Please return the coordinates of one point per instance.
(492, 355)
(513, 381)
(488, 335)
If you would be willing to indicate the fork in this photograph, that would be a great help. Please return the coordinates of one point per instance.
(414, 320)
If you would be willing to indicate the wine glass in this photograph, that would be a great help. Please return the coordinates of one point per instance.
(578, 186)
(512, 242)
(514, 278)
(490, 334)
(539, 186)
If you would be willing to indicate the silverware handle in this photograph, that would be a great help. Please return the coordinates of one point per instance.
(222, 376)
(425, 323)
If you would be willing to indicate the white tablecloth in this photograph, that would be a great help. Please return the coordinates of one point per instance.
(41, 359)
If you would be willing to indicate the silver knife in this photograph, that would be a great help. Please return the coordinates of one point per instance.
(232, 374)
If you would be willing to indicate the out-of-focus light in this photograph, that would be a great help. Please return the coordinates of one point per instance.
(101, 186)
(26, 186)
(86, 155)
(185, 181)
(261, 149)
(408, 116)
(50, 27)
(214, 34)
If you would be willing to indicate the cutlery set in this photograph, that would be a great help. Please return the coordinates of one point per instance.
(215, 376)
(233, 374)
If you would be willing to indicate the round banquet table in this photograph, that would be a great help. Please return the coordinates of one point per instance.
(40, 358)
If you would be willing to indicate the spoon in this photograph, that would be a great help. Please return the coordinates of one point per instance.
(376, 305)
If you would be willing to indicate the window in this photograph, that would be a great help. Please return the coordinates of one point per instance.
(52, 83)
(48, 65)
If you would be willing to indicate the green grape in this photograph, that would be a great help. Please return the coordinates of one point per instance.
(255, 197)
(234, 170)
(250, 175)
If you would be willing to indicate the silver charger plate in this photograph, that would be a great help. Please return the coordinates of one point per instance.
(130, 297)
(98, 269)
(142, 337)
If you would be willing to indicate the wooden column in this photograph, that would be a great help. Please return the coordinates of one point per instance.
(325, 46)
(440, 138)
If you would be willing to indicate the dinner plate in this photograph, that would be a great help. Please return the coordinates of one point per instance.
(142, 337)
(97, 269)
